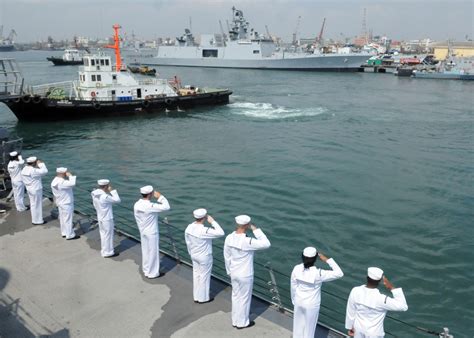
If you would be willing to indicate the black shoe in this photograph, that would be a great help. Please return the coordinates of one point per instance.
(160, 275)
(208, 301)
(75, 237)
(114, 255)
(251, 323)
(44, 222)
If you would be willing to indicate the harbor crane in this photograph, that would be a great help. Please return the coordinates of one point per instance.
(295, 41)
(319, 38)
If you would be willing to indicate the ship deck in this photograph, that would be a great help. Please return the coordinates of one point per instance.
(58, 288)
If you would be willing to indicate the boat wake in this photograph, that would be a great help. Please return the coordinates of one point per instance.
(271, 112)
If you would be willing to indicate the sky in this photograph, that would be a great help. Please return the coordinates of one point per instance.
(35, 20)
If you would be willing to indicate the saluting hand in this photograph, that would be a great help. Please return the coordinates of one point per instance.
(351, 332)
(322, 257)
(210, 219)
(68, 174)
(253, 227)
(109, 188)
(157, 194)
(387, 283)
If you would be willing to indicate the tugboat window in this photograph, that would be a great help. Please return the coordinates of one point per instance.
(86, 62)
(114, 77)
(209, 53)
(102, 62)
(113, 92)
(93, 77)
(106, 62)
(99, 78)
(92, 62)
(256, 51)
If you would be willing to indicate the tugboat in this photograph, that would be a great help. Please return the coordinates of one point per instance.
(103, 89)
(70, 57)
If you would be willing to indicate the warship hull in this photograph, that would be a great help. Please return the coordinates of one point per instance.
(61, 62)
(338, 63)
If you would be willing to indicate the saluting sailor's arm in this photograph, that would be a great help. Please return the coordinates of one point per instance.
(259, 242)
(398, 302)
(71, 182)
(215, 231)
(41, 170)
(21, 160)
(350, 311)
(162, 204)
(329, 275)
(113, 197)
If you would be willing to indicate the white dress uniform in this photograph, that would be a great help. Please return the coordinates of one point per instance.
(31, 177)
(146, 216)
(14, 169)
(306, 296)
(199, 242)
(367, 308)
(64, 197)
(238, 255)
(105, 216)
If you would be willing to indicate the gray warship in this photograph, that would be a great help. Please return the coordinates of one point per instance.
(245, 48)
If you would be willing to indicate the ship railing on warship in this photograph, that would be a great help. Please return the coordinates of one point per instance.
(270, 284)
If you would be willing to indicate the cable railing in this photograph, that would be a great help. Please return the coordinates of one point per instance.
(270, 285)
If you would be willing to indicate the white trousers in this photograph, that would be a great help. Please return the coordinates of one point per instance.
(150, 255)
(106, 230)
(65, 220)
(241, 298)
(361, 335)
(305, 321)
(36, 206)
(19, 195)
(202, 278)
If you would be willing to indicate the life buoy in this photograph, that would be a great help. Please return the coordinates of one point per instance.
(93, 94)
(26, 98)
(96, 105)
(146, 103)
(37, 99)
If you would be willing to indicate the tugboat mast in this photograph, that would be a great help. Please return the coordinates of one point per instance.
(116, 47)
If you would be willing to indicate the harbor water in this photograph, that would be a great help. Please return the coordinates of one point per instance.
(372, 169)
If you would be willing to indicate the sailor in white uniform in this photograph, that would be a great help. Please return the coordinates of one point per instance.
(367, 307)
(64, 198)
(306, 282)
(199, 242)
(14, 169)
(31, 175)
(103, 198)
(146, 216)
(238, 255)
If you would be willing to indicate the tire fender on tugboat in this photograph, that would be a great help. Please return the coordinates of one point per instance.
(26, 98)
(96, 104)
(146, 103)
(37, 99)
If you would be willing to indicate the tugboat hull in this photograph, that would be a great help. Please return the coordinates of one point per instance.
(40, 109)
(61, 62)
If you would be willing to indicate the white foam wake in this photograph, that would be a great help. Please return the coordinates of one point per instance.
(272, 112)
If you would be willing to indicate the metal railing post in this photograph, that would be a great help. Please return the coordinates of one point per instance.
(274, 287)
(173, 243)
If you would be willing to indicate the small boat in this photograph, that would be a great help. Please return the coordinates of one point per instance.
(103, 90)
(70, 57)
(453, 68)
(143, 70)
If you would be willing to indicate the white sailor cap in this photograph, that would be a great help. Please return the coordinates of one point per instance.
(31, 159)
(242, 220)
(147, 189)
(375, 273)
(103, 182)
(61, 170)
(13, 153)
(199, 213)
(310, 252)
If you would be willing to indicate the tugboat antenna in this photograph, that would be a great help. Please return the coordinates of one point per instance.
(116, 47)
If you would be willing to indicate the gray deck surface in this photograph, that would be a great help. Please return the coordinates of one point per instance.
(58, 288)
